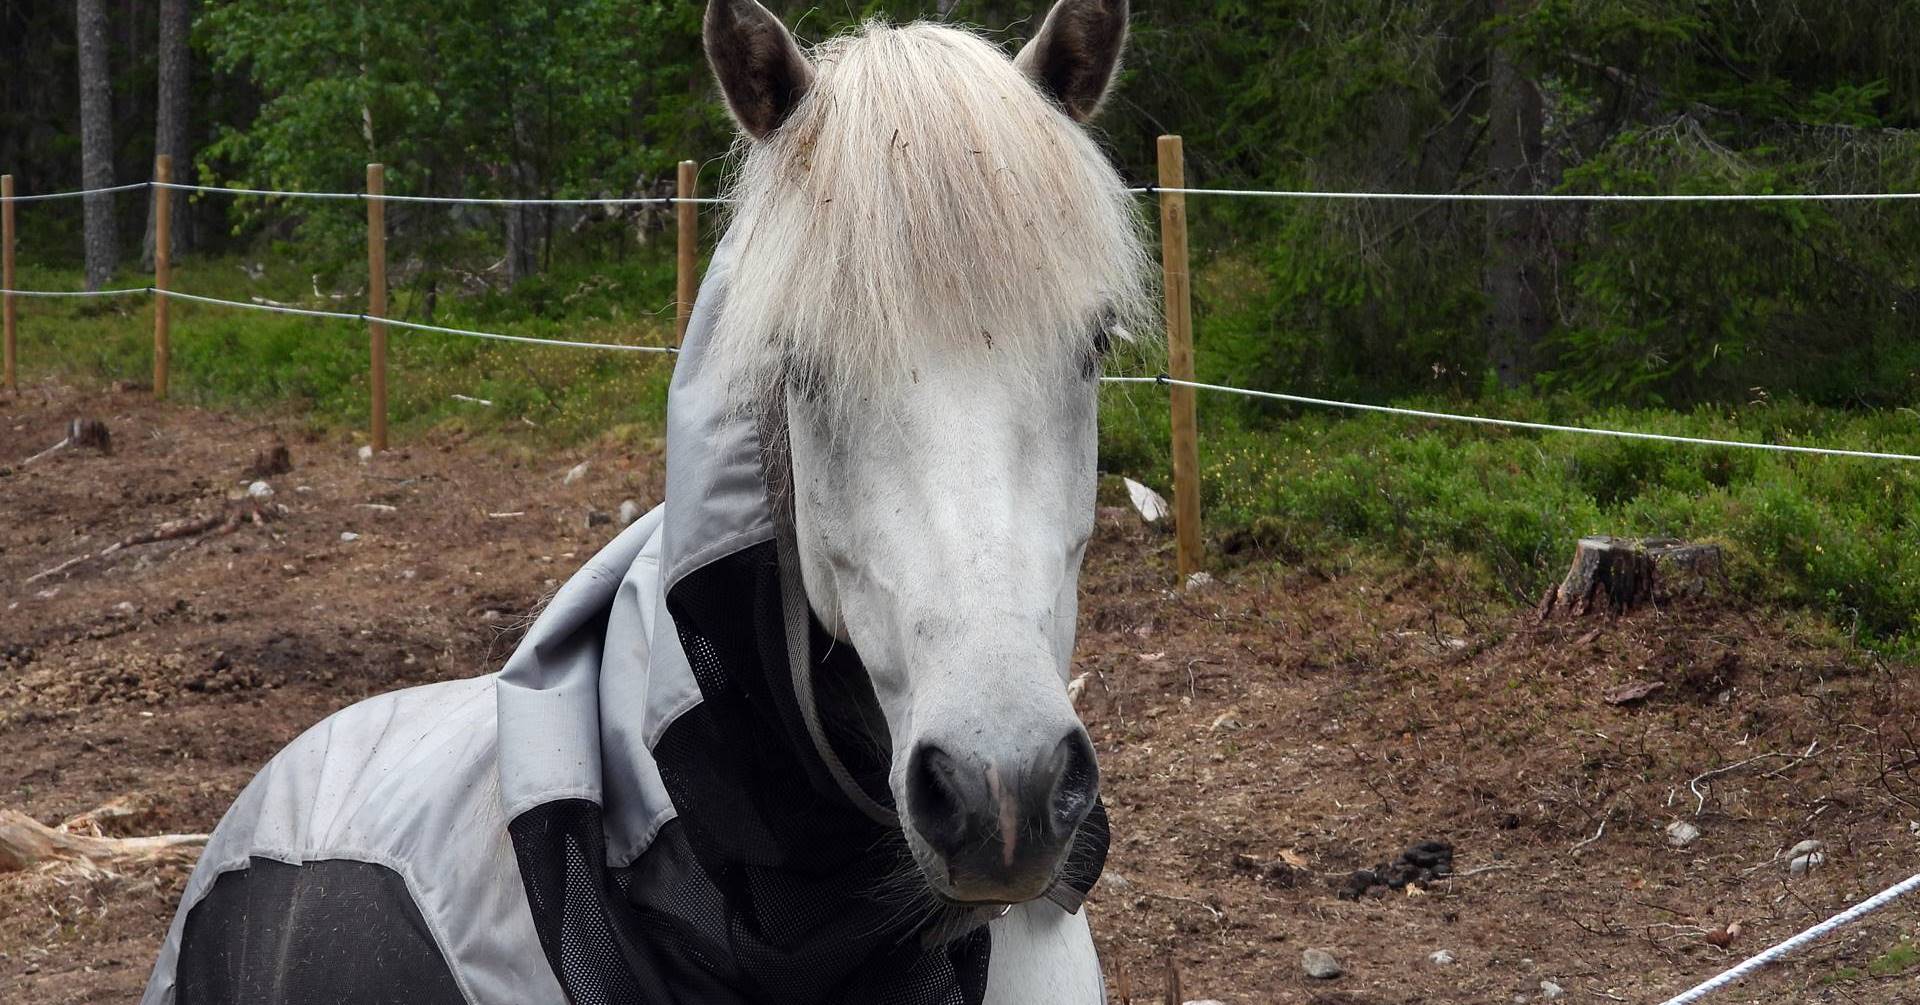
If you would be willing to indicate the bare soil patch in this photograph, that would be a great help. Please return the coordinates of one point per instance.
(1261, 739)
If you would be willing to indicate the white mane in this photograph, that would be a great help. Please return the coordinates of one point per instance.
(924, 197)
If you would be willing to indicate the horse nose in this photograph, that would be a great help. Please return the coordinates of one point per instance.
(1001, 822)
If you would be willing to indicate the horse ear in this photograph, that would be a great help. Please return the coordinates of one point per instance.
(1074, 56)
(760, 67)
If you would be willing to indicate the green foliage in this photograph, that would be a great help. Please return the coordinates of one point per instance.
(1837, 535)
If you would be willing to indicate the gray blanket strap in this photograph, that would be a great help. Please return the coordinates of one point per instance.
(776, 464)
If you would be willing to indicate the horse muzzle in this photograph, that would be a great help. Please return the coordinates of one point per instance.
(999, 824)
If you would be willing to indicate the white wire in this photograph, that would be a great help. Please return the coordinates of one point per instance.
(1535, 197)
(1514, 423)
(345, 316)
(76, 193)
(658, 200)
(451, 200)
(74, 293)
(220, 190)
(1143, 190)
(1755, 962)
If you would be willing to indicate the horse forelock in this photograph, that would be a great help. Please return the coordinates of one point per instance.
(924, 198)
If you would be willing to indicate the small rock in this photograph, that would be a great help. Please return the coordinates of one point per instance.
(347, 535)
(260, 490)
(1549, 990)
(1199, 581)
(629, 512)
(1320, 965)
(1442, 958)
(598, 518)
(1681, 833)
(366, 454)
(577, 472)
(1803, 864)
(1228, 721)
(1807, 847)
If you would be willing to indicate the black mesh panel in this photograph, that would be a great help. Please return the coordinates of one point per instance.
(770, 886)
(332, 931)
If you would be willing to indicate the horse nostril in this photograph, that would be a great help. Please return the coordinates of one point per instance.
(936, 799)
(1076, 784)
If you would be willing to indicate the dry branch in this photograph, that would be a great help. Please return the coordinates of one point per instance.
(216, 523)
(26, 843)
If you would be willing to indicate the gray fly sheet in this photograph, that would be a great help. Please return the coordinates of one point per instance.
(652, 801)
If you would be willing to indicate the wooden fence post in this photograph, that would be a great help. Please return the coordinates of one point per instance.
(688, 227)
(1179, 293)
(162, 272)
(377, 298)
(7, 367)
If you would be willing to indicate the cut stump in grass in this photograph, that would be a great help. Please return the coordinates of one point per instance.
(26, 843)
(1623, 573)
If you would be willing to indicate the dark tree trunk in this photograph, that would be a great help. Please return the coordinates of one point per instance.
(170, 118)
(523, 222)
(96, 139)
(1517, 240)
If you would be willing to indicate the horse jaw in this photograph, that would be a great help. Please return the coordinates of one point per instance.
(941, 524)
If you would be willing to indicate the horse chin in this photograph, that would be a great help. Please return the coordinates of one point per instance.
(975, 893)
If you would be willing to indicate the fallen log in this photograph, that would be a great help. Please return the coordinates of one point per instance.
(26, 843)
(216, 524)
(1624, 573)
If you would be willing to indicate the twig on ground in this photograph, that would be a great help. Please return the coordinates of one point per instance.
(1203, 905)
(1701, 797)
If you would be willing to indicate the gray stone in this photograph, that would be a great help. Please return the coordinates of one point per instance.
(1803, 864)
(1320, 965)
(598, 518)
(1442, 958)
(629, 512)
(577, 472)
(260, 490)
(349, 536)
(1681, 833)
(1549, 990)
(1806, 847)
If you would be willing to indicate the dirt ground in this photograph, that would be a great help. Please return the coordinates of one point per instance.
(1260, 738)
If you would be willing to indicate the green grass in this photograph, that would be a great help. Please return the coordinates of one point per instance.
(1835, 535)
(229, 358)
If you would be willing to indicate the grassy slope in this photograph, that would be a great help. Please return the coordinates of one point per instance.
(1838, 535)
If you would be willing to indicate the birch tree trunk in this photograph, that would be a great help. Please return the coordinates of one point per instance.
(96, 139)
(170, 118)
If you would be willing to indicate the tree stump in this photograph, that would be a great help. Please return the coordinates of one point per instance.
(1623, 574)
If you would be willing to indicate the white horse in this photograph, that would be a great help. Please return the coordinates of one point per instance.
(801, 734)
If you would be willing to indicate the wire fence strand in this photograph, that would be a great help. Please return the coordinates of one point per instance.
(1544, 427)
(1245, 193)
(1538, 197)
(653, 200)
(413, 325)
(76, 193)
(76, 293)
